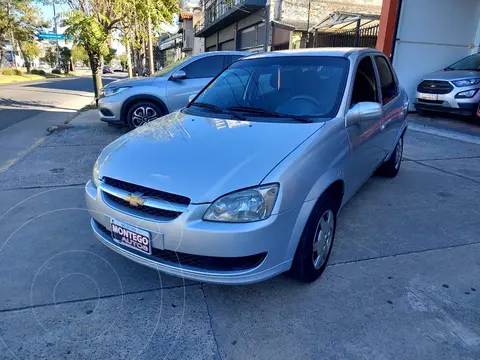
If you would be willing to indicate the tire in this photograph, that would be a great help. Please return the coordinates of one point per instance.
(391, 167)
(308, 264)
(142, 112)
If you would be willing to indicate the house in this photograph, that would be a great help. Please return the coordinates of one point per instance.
(257, 25)
(190, 13)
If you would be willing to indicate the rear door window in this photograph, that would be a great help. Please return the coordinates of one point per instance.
(206, 67)
(387, 80)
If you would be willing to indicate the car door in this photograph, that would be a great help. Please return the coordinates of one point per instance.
(393, 111)
(199, 73)
(365, 139)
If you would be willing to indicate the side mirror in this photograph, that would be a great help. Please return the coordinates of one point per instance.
(364, 111)
(178, 75)
(191, 97)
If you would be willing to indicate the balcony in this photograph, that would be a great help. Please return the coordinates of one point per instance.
(221, 13)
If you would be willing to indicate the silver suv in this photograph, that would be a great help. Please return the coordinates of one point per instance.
(135, 102)
(453, 89)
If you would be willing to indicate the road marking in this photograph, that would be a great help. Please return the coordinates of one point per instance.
(450, 134)
(9, 163)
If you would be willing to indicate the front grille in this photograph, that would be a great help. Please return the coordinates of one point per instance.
(144, 209)
(435, 87)
(179, 259)
(148, 192)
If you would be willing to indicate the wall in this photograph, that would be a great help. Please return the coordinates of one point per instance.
(433, 34)
(297, 10)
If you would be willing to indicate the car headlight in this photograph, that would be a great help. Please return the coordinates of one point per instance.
(96, 174)
(113, 90)
(466, 94)
(248, 205)
(466, 82)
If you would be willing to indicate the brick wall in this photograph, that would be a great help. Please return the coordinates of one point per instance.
(297, 10)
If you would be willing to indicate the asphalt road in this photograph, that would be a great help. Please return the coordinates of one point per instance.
(403, 281)
(27, 109)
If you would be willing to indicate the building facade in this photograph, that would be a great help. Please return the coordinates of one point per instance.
(257, 25)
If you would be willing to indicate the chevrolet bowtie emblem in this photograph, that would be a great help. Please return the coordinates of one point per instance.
(135, 199)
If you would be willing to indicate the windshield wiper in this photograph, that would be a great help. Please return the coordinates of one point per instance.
(269, 113)
(218, 109)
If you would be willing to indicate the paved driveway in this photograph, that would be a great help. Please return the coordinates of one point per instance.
(403, 281)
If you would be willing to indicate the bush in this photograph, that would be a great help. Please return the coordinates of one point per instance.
(17, 72)
(7, 72)
(56, 71)
(42, 72)
(34, 72)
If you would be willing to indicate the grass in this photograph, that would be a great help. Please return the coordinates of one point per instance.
(5, 79)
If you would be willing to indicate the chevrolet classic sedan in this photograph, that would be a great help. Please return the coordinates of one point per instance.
(246, 182)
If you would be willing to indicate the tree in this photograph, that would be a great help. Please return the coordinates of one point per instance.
(50, 57)
(65, 56)
(79, 54)
(20, 20)
(30, 51)
(107, 59)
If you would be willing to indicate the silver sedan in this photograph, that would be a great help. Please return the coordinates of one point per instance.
(246, 182)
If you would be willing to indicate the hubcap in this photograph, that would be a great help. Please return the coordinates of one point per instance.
(142, 115)
(322, 242)
(398, 153)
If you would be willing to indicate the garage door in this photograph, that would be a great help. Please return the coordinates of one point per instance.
(433, 34)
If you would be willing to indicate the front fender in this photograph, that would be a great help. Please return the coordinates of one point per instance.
(146, 93)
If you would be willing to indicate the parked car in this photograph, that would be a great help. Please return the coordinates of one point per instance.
(135, 102)
(452, 90)
(246, 182)
(107, 70)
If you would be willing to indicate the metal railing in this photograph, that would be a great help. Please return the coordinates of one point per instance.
(362, 37)
(215, 9)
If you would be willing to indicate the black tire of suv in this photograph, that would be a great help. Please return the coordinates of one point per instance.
(302, 266)
(138, 105)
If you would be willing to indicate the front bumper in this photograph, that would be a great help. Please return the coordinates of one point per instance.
(189, 234)
(449, 103)
(110, 108)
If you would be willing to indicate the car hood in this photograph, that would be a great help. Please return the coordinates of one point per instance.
(132, 82)
(199, 157)
(452, 75)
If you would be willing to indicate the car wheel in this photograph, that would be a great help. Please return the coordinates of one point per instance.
(316, 242)
(391, 167)
(141, 113)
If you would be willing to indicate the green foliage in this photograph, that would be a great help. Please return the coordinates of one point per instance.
(107, 59)
(30, 50)
(79, 54)
(50, 57)
(65, 56)
(17, 72)
(123, 60)
(56, 71)
(34, 72)
(42, 72)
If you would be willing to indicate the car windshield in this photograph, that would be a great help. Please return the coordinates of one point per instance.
(278, 87)
(170, 67)
(471, 62)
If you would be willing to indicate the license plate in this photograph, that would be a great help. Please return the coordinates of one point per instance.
(428, 96)
(131, 236)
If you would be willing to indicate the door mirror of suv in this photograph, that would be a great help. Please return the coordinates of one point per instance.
(364, 111)
(179, 75)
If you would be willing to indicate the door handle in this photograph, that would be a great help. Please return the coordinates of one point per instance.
(382, 127)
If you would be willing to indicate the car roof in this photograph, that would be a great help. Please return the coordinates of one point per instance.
(326, 51)
(210, 53)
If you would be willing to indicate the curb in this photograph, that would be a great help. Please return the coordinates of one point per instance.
(449, 134)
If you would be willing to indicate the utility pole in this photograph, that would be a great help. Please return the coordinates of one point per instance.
(267, 25)
(308, 23)
(56, 32)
